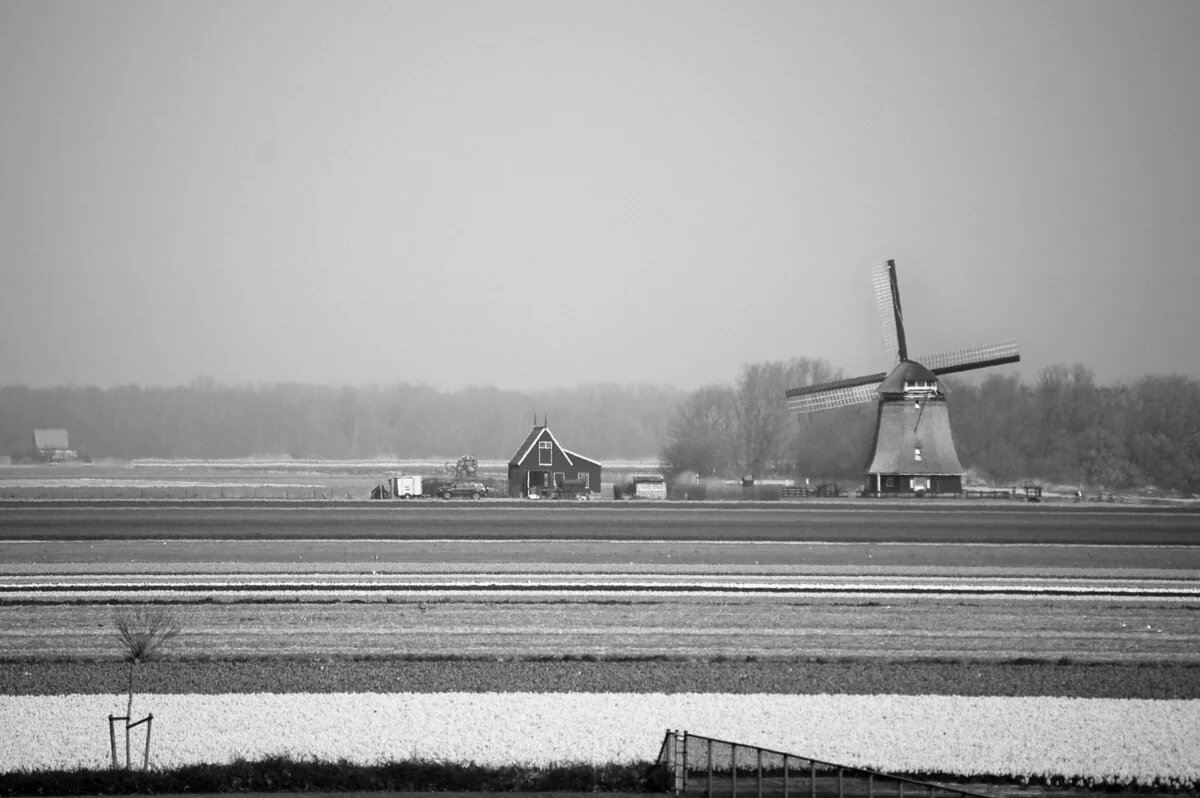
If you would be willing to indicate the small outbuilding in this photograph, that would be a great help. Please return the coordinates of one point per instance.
(53, 445)
(542, 468)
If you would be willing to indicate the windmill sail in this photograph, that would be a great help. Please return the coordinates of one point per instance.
(972, 357)
(830, 395)
(891, 317)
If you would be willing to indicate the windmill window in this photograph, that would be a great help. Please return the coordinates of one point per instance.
(917, 454)
(546, 453)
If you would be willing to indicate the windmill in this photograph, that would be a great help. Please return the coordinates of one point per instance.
(913, 451)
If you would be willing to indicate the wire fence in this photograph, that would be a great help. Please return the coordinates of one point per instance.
(696, 765)
(178, 492)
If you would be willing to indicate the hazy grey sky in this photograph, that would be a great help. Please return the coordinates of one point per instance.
(543, 193)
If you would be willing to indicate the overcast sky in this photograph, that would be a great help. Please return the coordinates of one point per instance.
(540, 194)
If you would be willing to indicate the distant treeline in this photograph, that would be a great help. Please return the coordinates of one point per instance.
(1063, 428)
(210, 420)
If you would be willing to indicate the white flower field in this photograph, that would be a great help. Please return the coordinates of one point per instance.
(1117, 740)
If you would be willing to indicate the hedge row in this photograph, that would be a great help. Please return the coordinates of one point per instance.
(281, 774)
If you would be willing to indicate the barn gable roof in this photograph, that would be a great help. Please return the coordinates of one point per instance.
(50, 439)
(577, 456)
(533, 438)
(903, 428)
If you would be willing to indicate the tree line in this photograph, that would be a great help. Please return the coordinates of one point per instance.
(209, 420)
(1063, 428)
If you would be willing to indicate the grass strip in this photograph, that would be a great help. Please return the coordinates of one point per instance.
(284, 774)
(287, 775)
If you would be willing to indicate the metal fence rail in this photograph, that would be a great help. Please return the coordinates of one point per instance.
(698, 765)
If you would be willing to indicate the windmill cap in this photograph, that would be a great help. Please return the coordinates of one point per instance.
(906, 371)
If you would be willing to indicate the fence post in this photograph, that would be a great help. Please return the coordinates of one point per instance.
(676, 762)
(870, 785)
(146, 759)
(841, 794)
(733, 768)
(760, 773)
(112, 738)
(710, 768)
(812, 772)
(672, 745)
(684, 759)
(785, 776)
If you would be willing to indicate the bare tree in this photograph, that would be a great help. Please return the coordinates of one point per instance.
(141, 633)
(702, 435)
(767, 428)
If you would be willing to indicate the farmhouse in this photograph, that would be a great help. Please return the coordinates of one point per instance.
(542, 468)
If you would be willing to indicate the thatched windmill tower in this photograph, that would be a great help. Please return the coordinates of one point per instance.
(913, 452)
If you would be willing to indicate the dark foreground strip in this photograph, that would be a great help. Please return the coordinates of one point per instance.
(296, 776)
(589, 673)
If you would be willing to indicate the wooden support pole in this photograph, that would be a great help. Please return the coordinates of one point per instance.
(146, 758)
(710, 769)
(684, 759)
(733, 769)
(112, 738)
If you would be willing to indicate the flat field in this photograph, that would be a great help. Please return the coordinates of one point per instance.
(992, 600)
(820, 580)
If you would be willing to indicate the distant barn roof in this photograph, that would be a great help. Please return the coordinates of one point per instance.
(528, 443)
(577, 456)
(50, 439)
(534, 436)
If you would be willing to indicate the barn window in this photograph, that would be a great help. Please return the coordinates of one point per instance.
(559, 479)
(917, 454)
(585, 478)
(891, 482)
(546, 453)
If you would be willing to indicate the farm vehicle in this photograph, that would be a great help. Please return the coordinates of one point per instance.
(429, 487)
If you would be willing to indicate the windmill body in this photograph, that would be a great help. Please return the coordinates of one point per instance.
(913, 449)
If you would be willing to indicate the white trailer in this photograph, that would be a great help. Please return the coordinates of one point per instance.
(405, 487)
(646, 486)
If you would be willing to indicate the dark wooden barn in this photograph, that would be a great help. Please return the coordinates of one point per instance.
(542, 468)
